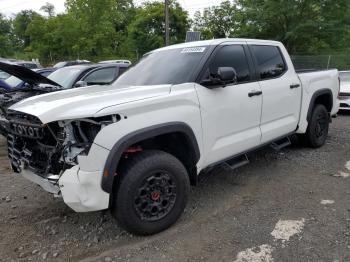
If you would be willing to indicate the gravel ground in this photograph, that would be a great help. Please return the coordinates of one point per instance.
(292, 205)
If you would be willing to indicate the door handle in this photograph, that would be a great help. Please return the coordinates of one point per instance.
(294, 86)
(255, 93)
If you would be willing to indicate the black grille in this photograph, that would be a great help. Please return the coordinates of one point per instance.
(23, 118)
(30, 154)
(33, 145)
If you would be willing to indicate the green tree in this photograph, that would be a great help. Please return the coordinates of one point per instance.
(147, 30)
(101, 25)
(53, 38)
(217, 21)
(49, 9)
(20, 24)
(5, 37)
(303, 26)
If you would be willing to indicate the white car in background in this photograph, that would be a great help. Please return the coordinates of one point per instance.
(344, 95)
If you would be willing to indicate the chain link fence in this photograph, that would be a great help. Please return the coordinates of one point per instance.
(320, 62)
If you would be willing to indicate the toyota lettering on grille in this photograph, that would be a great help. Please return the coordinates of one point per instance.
(26, 130)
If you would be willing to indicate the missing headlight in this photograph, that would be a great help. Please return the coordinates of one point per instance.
(80, 134)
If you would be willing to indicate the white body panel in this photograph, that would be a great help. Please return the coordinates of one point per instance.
(281, 104)
(85, 101)
(230, 126)
(345, 91)
(225, 121)
(312, 82)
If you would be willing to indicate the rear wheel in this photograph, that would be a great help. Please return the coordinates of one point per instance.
(317, 130)
(152, 192)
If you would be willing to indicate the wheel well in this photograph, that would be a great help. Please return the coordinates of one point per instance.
(326, 100)
(176, 144)
(321, 97)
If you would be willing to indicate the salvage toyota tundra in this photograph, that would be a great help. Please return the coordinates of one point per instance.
(135, 147)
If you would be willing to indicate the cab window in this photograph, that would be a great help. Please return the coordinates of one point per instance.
(269, 61)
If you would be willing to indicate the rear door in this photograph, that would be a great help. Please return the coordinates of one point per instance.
(230, 115)
(281, 91)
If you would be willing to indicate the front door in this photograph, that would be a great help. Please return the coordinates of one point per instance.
(230, 115)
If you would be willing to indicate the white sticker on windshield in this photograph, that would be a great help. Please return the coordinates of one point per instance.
(193, 50)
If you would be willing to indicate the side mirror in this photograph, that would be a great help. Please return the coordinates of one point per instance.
(80, 84)
(224, 76)
(227, 75)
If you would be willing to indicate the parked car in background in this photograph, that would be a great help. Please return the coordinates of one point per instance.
(62, 78)
(86, 75)
(116, 62)
(344, 95)
(14, 82)
(71, 63)
(4, 75)
(27, 64)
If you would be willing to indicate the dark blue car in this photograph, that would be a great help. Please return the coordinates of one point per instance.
(15, 83)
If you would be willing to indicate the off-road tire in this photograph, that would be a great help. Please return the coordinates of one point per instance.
(317, 131)
(135, 175)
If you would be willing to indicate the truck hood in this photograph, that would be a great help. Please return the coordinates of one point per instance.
(85, 101)
(26, 75)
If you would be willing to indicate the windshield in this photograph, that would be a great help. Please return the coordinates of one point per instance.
(13, 81)
(174, 66)
(65, 76)
(345, 76)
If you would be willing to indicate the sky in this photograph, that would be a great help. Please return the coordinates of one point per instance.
(10, 7)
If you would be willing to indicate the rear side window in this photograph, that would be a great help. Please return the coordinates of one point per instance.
(231, 56)
(270, 61)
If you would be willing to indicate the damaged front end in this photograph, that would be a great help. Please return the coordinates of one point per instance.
(9, 98)
(48, 150)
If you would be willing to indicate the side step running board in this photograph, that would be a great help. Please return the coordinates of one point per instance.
(237, 162)
(278, 145)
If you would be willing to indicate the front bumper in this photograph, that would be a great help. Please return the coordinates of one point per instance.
(79, 186)
(82, 191)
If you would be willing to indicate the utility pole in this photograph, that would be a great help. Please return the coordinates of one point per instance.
(167, 22)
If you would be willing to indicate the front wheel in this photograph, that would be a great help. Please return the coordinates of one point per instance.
(317, 130)
(152, 192)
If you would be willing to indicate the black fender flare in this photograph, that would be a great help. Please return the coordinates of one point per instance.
(317, 94)
(137, 136)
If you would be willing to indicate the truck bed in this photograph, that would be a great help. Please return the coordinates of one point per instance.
(314, 82)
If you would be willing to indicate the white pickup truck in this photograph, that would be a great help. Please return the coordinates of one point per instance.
(136, 146)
